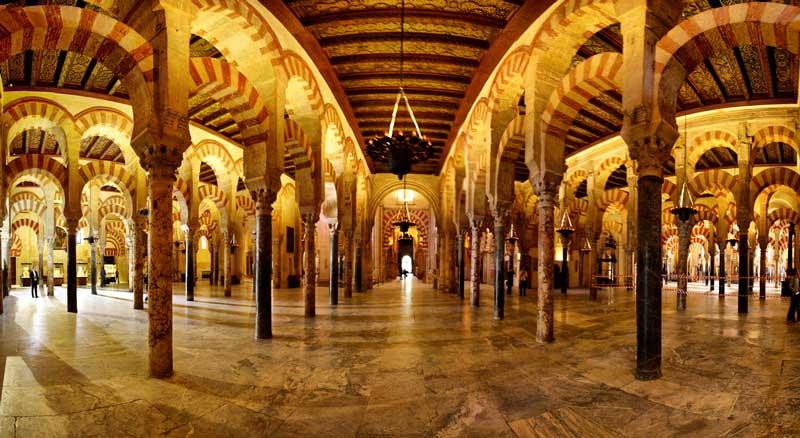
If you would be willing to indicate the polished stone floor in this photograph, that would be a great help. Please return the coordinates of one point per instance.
(400, 360)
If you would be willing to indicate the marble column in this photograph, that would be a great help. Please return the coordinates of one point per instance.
(348, 264)
(564, 264)
(72, 266)
(190, 255)
(475, 265)
(50, 267)
(460, 264)
(140, 258)
(227, 253)
(263, 271)
(499, 265)
(711, 270)
(159, 285)
(41, 285)
(333, 277)
(309, 262)
(743, 270)
(131, 256)
(790, 248)
(359, 273)
(684, 227)
(722, 246)
(649, 282)
(544, 324)
(93, 262)
(6, 261)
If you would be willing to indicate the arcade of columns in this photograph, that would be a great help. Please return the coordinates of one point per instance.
(153, 209)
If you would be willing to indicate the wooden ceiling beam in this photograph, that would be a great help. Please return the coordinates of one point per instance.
(383, 104)
(423, 37)
(412, 14)
(722, 91)
(394, 75)
(748, 88)
(392, 89)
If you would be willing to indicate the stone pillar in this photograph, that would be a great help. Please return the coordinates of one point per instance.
(790, 248)
(348, 264)
(712, 253)
(5, 261)
(50, 267)
(475, 268)
(263, 271)
(140, 258)
(722, 246)
(544, 325)
(743, 271)
(93, 262)
(564, 264)
(333, 277)
(684, 227)
(227, 252)
(359, 274)
(460, 264)
(159, 284)
(72, 265)
(309, 262)
(41, 267)
(190, 274)
(499, 265)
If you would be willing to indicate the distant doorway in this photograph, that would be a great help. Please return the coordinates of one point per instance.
(406, 265)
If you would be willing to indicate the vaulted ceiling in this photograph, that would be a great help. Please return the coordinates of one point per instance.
(445, 42)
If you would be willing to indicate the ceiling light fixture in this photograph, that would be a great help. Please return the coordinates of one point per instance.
(400, 150)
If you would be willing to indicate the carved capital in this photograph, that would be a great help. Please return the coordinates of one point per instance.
(264, 198)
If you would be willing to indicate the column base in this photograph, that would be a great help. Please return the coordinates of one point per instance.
(645, 375)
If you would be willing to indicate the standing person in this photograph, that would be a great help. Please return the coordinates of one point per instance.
(34, 276)
(523, 281)
(790, 286)
(509, 279)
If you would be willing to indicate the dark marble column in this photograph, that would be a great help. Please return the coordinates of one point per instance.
(711, 270)
(263, 271)
(744, 288)
(348, 264)
(309, 262)
(790, 255)
(333, 277)
(4, 263)
(41, 268)
(358, 280)
(648, 271)
(722, 246)
(190, 254)
(475, 266)
(140, 258)
(564, 265)
(460, 264)
(544, 324)
(499, 266)
(683, 260)
(159, 283)
(93, 262)
(72, 266)
(762, 270)
(227, 261)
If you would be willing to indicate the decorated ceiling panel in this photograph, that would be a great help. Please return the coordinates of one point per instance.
(445, 41)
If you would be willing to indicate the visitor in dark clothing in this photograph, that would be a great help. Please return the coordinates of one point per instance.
(34, 277)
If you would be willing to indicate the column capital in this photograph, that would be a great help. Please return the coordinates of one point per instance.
(652, 150)
(264, 198)
(72, 224)
(161, 161)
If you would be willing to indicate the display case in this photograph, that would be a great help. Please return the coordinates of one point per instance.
(25, 274)
(58, 274)
(83, 273)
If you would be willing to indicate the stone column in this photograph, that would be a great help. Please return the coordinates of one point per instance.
(499, 265)
(227, 262)
(309, 262)
(790, 249)
(4, 263)
(93, 262)
(722, 246)
(190, 254)
(159, 284)
(712, 253)
(460, 264)
(41, 267)
(564, 264)
(648, 271)
(348, 264)
(333, 277)
(359, 273)
(475, 268)
(684, 227)
(140, 258)
(545, 207)
(263, 271)
(72, 265)
(743, 271)
(50, 267)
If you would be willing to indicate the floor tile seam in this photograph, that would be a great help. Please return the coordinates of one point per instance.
(97, 408)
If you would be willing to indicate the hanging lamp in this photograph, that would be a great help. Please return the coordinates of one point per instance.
(685, 208)
(400, 150)
(405, 222)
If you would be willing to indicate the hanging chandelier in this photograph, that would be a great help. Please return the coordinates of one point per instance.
(405, 222)
(685, 208)
(400, 150)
